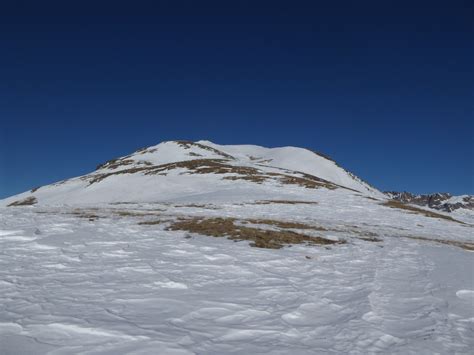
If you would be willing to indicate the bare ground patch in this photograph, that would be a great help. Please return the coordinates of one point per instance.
(260, 238)
(285, 202)
(91, 216)
(198, 205)
(371, 239)
(307, 181)
(216, 166)
(155, 222)
(284, 224)
(198, 166)
(253, 178)
(125, 213)
(115, 163)
(189, 144)
(25, 202)
(371, 198)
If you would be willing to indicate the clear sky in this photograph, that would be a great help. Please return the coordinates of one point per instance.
(383, 87)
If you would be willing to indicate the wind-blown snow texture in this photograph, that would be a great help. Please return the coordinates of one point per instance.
(100, 277)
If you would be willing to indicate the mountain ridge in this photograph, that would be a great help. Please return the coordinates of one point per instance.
(176, 168)
(180, 168)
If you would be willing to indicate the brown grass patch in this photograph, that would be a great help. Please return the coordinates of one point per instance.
(253, 178)
(25, 202)
(198, 166)
(306, 180)
(120, 162)
(99, 177)
(115, 163)
(197, 205)
(124, 213)
(154, 222)
(309, 182)
(371, 239)
(412, 209)
(225, 227)
(284, 224)
(221, 166)
(371, 198)
(189, 144)
(285, 202)
(84, 214)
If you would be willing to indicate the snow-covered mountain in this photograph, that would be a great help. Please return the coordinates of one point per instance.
(198, 248)
(180, 168)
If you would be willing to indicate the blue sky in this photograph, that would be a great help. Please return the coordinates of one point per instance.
(385, 88)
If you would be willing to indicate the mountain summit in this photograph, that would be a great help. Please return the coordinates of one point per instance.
(180, 169)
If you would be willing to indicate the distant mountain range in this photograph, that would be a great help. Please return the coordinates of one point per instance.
(438, 201)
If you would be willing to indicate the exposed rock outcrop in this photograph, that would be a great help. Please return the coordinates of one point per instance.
(438, 201)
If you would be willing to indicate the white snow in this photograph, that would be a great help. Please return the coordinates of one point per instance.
(168, 152)
(176, 183)
(467, 295)
(113, 286)
(80, 274)
(297, 159)
(457, 199)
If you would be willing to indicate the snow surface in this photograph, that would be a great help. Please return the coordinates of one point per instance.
(171, 151)
(112, 286)
(457, 199)
(74, 283)
(298, 159)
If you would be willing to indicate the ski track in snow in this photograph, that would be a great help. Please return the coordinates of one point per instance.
(71, 286)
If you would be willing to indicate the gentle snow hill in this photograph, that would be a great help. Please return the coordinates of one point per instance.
(179, 169)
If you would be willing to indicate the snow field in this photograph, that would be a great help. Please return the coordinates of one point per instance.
(70, 285)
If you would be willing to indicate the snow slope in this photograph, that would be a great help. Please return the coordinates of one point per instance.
(298, 159)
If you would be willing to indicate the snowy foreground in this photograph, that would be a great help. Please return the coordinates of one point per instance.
(91, 279)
